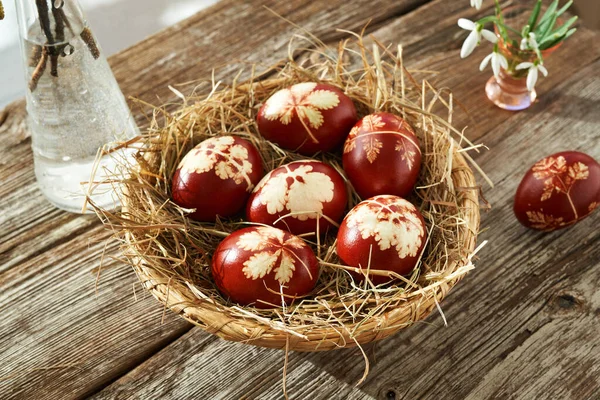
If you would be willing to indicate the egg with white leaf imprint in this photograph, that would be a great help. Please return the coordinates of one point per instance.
(307, 117)
(300, 197)
(558, 191)
(264, 267)
(382, 156)
(385, 233)
(216, 177)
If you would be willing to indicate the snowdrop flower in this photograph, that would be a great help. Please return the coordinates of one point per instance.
(476, 3)
(529, 42)
(498, 60)
(474, 37)
(532, 74)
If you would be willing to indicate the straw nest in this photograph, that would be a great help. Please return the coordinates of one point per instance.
(171, 253)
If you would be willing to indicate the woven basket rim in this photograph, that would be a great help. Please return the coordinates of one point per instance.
(181, 300)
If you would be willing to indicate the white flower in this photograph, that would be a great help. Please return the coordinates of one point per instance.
(498, 60)
(523, 45)
(474, 37)
(476, 3)
(532, 74)
(529, 42)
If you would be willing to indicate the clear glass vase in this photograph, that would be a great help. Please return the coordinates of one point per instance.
(74, 104)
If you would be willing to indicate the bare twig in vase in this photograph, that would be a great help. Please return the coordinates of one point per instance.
(36, 55)
(44, 15)
(88, 38)
(49, 51)
(54, 64)
(56, 44)
(39, 70)
(60, 38)
(59, 20)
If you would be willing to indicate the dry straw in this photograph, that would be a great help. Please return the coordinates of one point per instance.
(171, 254)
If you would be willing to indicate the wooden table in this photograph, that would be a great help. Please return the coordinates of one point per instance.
(525, 324)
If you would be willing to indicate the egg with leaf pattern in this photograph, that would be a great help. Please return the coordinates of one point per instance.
(301, 197)
(307, 117)
(558, 191)
(382, 156)
(216, 177)
(384, 233)
(264, 267)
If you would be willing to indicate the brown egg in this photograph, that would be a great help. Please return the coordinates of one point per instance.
(297, 195)
(558, 191)
(307, 117)
(216, 177)
(382, 233)
(256, 265)
(382, 156)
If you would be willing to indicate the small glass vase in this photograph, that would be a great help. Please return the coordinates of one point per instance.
(509, 90)
(74, 104)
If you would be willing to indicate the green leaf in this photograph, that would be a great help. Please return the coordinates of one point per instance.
(565, 27)
(549, 42)
(545, 28)
(564, 8)
(553, 41)
(550, 10)
(558, 33)
(568, 34)
(534, 15)
(548, 14)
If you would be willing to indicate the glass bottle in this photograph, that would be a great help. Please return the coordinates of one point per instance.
(74, 104)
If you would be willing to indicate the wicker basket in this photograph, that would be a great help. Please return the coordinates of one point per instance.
(212, 315)
(209, 317)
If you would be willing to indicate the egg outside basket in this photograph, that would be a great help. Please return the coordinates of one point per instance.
(171, 253)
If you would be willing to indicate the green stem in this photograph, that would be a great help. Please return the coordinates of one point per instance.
(500, 23)
(485, 20)
(513, 30)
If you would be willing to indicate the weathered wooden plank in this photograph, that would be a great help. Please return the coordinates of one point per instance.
(521, 325)
(57, 340)
(215, 369)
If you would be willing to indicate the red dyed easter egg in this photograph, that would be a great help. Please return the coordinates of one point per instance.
(256, 265)
(382, 233)
(382, 156)
(307, 117)
(216, 177)
(297, 195)
(558, 191)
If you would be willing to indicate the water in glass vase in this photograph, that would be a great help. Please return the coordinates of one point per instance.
(75, 107)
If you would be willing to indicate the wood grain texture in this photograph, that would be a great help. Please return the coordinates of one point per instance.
(521, 326)
(57, 340)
